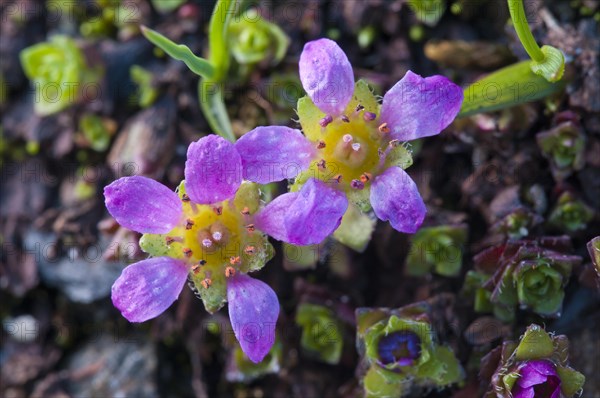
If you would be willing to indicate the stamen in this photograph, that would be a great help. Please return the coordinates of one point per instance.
(229, 272)
(321, 144)
(187, 252)
(218, 210)
(250, 250)
(356, 146)
(369, 116)
(202, 262)
(189, 223)
(380, 152)
(345, 119)
(245, 211)
(207, 243)
(250, 228)
(359, 108)
(234, 260)
(347, 138)
(169, 240)
(357, 184)
(217, 236)
(185, 198)
(326, 120)
(321, 164)
(394, 143)
(383, 128)
(206, 283)
(196, 268)
(337, 179)
(365, 177)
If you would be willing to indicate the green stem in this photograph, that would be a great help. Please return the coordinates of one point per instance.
(519, 19)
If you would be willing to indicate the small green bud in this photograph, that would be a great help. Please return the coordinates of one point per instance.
(570, 214)
(438, 249)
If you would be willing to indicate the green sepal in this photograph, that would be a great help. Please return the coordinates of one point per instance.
(378, 386)
(322, 335)
(513, 85)
(248, 195)
(443, 368)
(510, 379)
(216, 295)
(399, 156)
(535, 344)
(356, 229)
(180, 52)
(571, 381)
(156, 246)
(552, 67)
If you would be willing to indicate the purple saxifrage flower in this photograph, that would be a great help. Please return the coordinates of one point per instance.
(538, 379)
(350, 142)
(210, 234)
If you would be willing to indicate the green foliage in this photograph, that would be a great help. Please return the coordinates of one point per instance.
(437, 248)
(548, 62)
(166, 6)
(570, 214)
(253, 39)
(593, 247)
(507, 87)
(428, 11)
(58, 71)
(564, 147)
(95, 132)
(322, 334)
(146, 92)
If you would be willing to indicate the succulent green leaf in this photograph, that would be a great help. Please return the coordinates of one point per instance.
(513, 85)
(439, 248)
(322, 334)
(180, 52)
(535, 344)
(57, 69)
(218, 37)
(552, 67)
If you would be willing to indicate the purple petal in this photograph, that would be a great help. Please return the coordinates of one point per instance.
(212, 170)
(253, 311)
(305, 217)
(143, 205)
(147, 288)
(419, 107)
(535, 372)
(274, 153)
(519, 392)
(326, 75)
(395, 197)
